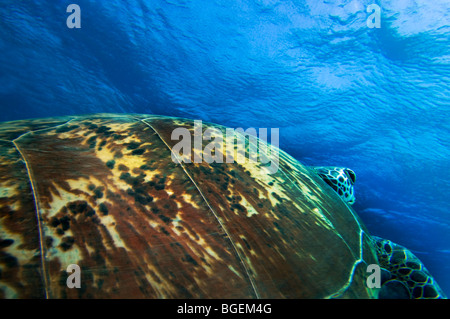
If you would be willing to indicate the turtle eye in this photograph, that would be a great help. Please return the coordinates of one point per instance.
(351, 174)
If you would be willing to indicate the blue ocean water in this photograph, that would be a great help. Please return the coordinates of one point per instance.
(376, 100)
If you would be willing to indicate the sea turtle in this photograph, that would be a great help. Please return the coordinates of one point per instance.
(99, 206)
(403, 274)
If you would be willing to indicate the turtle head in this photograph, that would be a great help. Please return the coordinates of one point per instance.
(341, 179)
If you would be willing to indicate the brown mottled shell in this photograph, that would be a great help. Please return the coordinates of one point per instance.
(101, 191)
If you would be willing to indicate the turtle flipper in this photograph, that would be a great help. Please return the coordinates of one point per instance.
(404, 276)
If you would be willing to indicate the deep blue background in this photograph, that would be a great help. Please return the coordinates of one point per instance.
(375, 100)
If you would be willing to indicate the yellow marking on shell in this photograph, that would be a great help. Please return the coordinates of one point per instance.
(91, 250)
(73, 255)
(118, 126)
(15, 249)
(129, 161)
(175, 121)
(234, 271)
(197, 153)
(16, 205)
(250, 209)
(273, 200)
(263, 180)
(175, 224)
(120, 184)
(185, 158)
(199, 242)
(64, 197)
(9, 191)
(70, 256)
(109, 222)
(245, 257)
(308, 193)
(188, 199)
(81, 184)
(153, 224)
(207, 253)
(249, 264)
(160, 286)
(170, 179)
(222, 209)
(251, 251)
(168, 191)
(211, 253)
(323, 219)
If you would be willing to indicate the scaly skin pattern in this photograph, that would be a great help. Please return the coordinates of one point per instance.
(102, 191)
(405, 271)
